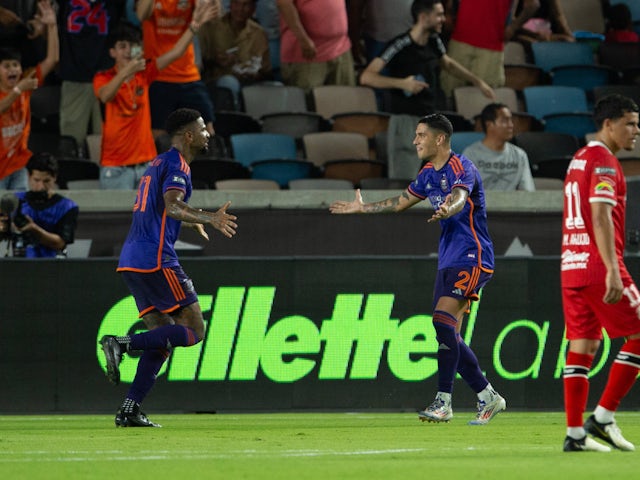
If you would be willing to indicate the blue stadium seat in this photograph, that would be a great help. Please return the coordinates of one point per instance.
(461, 140)
(548, 55)
(248, 148)
(550, 99)
(282, 171)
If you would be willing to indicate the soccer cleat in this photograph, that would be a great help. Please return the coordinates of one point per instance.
(438, 412)
(113, 355)
(585, 444)
(134, 419)
(609, 432)
(486, 411)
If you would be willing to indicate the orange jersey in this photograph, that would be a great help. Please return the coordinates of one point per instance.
(161, 31)
(15, 125)
(126, 132)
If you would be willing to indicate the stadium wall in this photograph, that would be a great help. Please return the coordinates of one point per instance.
(288, 333)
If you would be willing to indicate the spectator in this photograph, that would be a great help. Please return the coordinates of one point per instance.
(180, 84)
(84, 51)
(374, 23)
(502, 165)
(413, 61)
(620, 26)
(547, 24)
(481, 28)
(235, 49)
(43, 222)
(127, 142)
(314, 46)
(15, 99)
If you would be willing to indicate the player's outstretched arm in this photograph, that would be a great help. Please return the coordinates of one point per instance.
(178, 209)
(389, 205)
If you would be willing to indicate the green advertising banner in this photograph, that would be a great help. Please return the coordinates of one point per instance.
(284, 333)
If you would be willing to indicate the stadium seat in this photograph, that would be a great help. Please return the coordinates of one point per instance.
(320, 184)
(296, 124)
(549, 99)
(54, 143)
(326, 146)
(631, 91)
(330, 100)
(461, 140)
(70, 169)
(543, 146)
(230, 123)
(523, 75)
(548, 55)
(252, 147)
(470, 101)
(282, 171)
(222, 98)
(264, 99)
(576, 124)
(247, 184)
(353, 170)
(619, 56)
(210, 170)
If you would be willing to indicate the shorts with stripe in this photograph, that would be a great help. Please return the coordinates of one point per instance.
(463, 283)
(165, 290)
(585, 314)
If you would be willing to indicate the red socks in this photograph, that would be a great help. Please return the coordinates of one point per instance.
(576, 386)
(622, 375)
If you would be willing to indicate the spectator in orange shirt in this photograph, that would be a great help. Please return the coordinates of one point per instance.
(179, 85)
(127, 139)
(15, 102)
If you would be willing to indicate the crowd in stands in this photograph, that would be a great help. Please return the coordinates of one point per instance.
(97, 85)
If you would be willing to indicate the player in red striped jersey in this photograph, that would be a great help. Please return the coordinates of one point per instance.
(597, 290)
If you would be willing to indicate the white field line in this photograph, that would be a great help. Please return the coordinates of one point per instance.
(42, 456)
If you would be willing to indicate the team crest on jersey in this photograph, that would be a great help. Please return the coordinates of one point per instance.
(444, 185)
(180, 180)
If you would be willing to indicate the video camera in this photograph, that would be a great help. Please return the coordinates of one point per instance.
(10, 207)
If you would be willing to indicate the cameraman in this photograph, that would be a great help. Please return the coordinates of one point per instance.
(43, 222)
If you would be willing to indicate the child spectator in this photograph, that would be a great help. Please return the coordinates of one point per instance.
(127, 139)
(16, 88)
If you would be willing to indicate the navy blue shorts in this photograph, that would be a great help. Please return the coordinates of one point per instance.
(166, 290)
(166, 97)
(463, 283)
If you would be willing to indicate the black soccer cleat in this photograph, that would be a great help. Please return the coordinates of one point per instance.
(134, 419)
(584, 444)
(113, 355)
(609, 432)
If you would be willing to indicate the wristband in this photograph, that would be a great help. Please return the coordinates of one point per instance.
(17, 90)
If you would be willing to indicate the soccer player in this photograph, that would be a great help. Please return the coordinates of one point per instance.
(465, 258)
(164, 295)
(597, 290)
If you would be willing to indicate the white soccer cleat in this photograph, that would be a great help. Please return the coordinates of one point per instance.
(609, 432)
(488, 410)
(438, 412)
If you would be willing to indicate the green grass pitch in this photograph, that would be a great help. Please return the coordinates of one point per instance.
(305, 446)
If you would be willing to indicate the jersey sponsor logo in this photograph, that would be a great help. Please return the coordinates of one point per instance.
(577, 165)
(13, 130)
(604, 188)
(605, 171)
(574, 260)
(180, 180)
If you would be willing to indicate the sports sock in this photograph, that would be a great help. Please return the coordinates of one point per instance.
(469, 368)
(622, 376)
(448, 350)
(167, 336)
(148, 367)
(575, 380)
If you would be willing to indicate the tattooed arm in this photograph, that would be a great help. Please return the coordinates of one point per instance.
(389, 205)
(178, 209)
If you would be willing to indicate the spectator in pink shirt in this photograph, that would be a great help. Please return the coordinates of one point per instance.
(315, 48)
